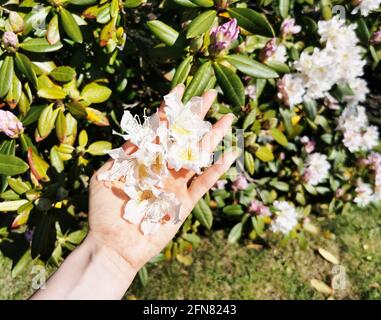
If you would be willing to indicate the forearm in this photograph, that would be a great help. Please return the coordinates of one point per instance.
(92, 271)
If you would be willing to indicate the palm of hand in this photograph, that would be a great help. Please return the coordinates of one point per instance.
(107, 201)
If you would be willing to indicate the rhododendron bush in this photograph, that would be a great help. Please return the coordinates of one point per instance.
(301, 76)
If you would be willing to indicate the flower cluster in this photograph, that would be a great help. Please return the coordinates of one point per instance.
(286, 217)
(316, 169)
(358, 134)
(338, 63)
(173, 144)
(365, 193)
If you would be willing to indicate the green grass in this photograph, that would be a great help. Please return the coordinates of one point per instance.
(222, 271)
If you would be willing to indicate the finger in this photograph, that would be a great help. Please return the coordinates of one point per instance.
(203, 183)
(179, 89)
(212, 139)
(208, 99)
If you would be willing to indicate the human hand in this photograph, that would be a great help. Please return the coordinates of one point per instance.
(107, 199)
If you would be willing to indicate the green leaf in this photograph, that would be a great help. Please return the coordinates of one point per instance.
(230, 84)
(33, 114)
(249, 162)
(199, 81)
(46, 121)
(233, 210)
(363, 31)
(18, 185)
(22, 265)
(83, 2)
(95, 93)
(12, 205)
(249, 119)
(44, 237)
(6, 75)
(143, 276)
(203, 3)
(63, 74)
(278, 66)
(251, 67)
(284, 6)
(252, 21)
(38, 166)
(11, 165)
(163, 32)
(182, 72)
(99, 148)
(70, 25)
(186, 3)
(201, 24)
(53, 31)
(40, 45)
(24, 65)
(279, 136)
(203, 213)
(55, 160)
(133, 3)
(235, 233)
(264, 153)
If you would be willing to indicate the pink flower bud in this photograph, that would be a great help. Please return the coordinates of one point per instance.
(220, 184)
(240, 183)
(221, 37)
(10, 41)
(309, 145)
(259, 208)
(376, 38)
(269, 50)
(289, 27)
(10, 125)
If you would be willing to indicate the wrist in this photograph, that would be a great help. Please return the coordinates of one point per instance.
(109, 266)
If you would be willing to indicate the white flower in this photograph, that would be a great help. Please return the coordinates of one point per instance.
(364, 194)
(280, 54)
(184, 123)
(358, 135)
(316, 168)
(291, 89)
(366, 6)
(150, 208)
(360, 90)
(289, 27)
(286, 217)
(188, 155)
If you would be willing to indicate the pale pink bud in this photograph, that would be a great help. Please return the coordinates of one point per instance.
(10, 41)
(269, 50)
(309, 145)
(220, 184)
(259, 208)
(289, 27)
(376, 38)
(10, 125)
(240, 183)
(221, 37)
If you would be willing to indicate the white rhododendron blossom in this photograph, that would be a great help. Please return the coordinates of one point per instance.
(160, 145)
(358, 134)
(366, 6)
(316, 169)
(364, 194)
(339, 62)
(291, 89)
(286, 217)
